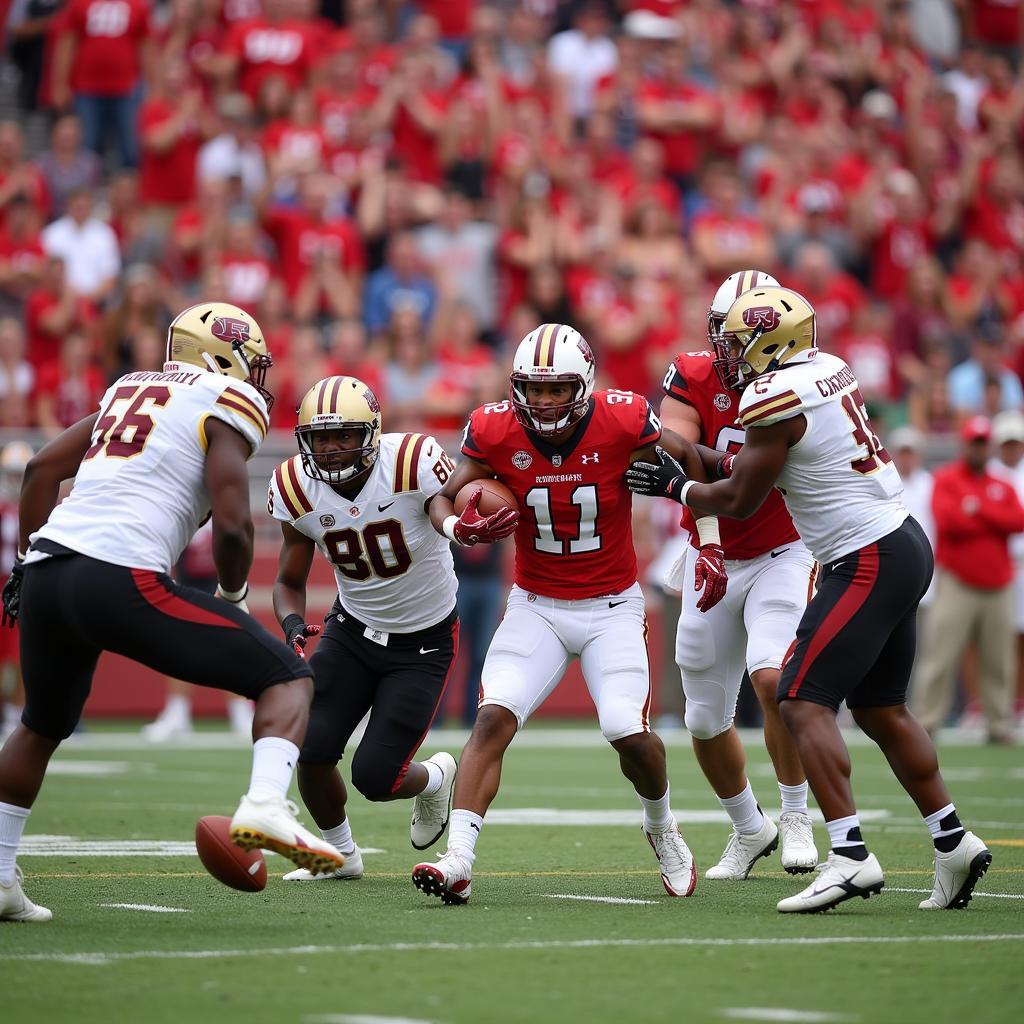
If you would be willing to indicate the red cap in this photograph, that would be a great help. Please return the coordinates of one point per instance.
(977, 428)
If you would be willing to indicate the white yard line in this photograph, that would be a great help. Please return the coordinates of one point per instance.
(618, 900)
(148, 907)
(73, 846)
(629, 816)
(779, 1013)
(360, 1018)
(990, 895)
(96, 958)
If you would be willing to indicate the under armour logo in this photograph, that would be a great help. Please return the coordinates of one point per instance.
(587, 459)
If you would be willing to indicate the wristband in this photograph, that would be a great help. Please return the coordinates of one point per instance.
(290, 622)
(448, 529)
(685, 490)
(707, 531)
(234, 596)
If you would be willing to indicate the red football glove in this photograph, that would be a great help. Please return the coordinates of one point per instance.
(473, 528)
(709, 575)
(725, 465)
(297, 633)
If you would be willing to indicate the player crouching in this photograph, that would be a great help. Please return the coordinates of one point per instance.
(391, 638)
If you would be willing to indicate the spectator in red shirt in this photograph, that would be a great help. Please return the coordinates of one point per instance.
(102, 51)
(21, 255)
(17, 376)
(68, 388)
(274, 44)
(17, 176)
(52, 311)
(976, 513)
(244, 263)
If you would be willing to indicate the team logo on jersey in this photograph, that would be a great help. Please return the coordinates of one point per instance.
(531, 597)
(765, 317)
(522, 460)
(353, 512)
(229, 329)
(722, 401)
(556, 461)
(592, 457)
(327, 521)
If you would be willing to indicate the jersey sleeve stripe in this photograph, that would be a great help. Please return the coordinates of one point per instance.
(244, 400)
(293, 510)
(405, 463)
(771, 400)
(749, 419)
(246, 409)
(414, 462)
(291, 478)
(403, 447)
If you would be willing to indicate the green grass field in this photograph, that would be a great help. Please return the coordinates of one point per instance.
(378, 950)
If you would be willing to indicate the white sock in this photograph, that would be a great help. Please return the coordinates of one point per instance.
(463, 832)
(178, 707)
(434, 778)
(657, 813)
(743, 811)
(340, 837)
(273, 763)
(12, 824)
(794, 798)
(844, 834)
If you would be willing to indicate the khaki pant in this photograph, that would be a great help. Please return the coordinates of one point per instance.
(957, 615)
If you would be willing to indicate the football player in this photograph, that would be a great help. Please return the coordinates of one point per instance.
(770, 577)
(390, 640)
(166, 449)
(562, 449)
(808, 433)
(13, 460)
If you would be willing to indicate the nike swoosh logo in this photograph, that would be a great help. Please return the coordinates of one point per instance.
(384, 508)
(775, 554)
(615, 604)
(846, 885)
(431, 650)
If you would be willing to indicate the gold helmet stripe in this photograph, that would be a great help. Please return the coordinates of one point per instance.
(543, 354)
(283, 493)
(407, 462)
(292, 479)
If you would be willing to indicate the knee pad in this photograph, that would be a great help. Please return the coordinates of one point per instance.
(375, 778)
(710, 708)
(771, 634)
(695, 644)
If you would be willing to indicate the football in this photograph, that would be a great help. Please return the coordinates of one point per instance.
(228, 863)
(496, 496)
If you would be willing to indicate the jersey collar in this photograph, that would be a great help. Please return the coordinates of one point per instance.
(564, 450)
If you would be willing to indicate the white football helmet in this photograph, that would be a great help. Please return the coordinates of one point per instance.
(728, 292)
(552, 352)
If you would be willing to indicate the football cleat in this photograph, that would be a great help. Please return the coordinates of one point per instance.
(839, 879)
(353, 869)
(450, 878)
(167, 726)
(16, 906)
(678, 868)
(272, 825)
(957, 873)
(430, 813)
(799, 854)
(742, 851)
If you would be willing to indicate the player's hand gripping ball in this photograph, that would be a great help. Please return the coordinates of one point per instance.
(487, 512)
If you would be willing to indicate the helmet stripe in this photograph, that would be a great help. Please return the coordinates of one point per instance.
(321, 394)
(335, 390)
(543, 353)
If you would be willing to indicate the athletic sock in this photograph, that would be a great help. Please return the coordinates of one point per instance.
(12, 824)
(340, 837)
(657, 813)
(463, 832)
(945, 828)
(744, 813)
(273, 763)
(846, 838)
(178, 707)
(434, 778)
(794, 798)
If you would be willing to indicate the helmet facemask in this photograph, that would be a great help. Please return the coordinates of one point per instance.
(334, 467)
(259, 366)
(556, 417)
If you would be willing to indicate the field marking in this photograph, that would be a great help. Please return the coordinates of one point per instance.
(990, 895)
(569, 816)
(101, 959)
(1004, 842)
(148, 907)
(772, 1013)
(89, 769)
(361, 1018)
(618, 900)
(72, 846)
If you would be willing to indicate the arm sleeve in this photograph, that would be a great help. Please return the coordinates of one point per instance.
(434, 469)
(763, 410)
(472, 444)
(287, 499)
(243, 408)
(675, 384)
(1005, 516)
(650, 425)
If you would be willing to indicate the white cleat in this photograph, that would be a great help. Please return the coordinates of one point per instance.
(742, 851)
(678, 868)
(450, 878)
(272, 825)
(799, 854)
(16, 906)
(957, 873)
(839, 879)
(430, 813)
(353, 869)
(165, 728)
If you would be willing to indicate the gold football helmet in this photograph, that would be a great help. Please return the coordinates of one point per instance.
(338, 403)
(764, 329)
(221, 338)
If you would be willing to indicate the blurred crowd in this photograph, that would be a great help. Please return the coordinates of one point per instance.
(399, 188)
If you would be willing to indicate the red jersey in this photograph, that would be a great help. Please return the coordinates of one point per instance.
(110, 37)
(300, 239)
(265, 49)
(575, 535)
(691, 379)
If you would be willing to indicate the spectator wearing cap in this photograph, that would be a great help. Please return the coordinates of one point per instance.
(976, 513)
(987, 365)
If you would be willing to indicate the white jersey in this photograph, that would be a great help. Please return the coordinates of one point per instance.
(394, 570)
(839, 482)
(140, 492)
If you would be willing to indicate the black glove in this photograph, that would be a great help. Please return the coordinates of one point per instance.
(12, 593)
(664, 480)
(297, 632)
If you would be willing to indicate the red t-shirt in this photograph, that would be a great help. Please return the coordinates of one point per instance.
(732, 234)
(25, 256)
(245, 278)
(336, 112)
(895, 251)
(282, 138)
(575, 536)
(75, 398)
(452, 16)
(683, 149)
(692, 379)
(265, 49)
(110, 35)
(299, 238)
(168, 176)
(996, 21)
(44, 347)
(415, 146)
(1000, 227)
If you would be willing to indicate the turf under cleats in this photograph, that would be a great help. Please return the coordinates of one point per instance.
(430, 813)
(799, 854)
(743, 850)
(17, 907)
(450, 878)
(678, 868)
(273, 825)
(838, 879)
(957, 873)
(353, 869)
